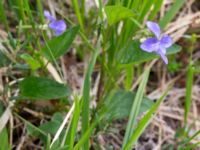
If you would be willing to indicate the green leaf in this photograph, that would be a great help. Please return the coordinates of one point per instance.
(45, 129)
(37, 88)
(73, 125)
(53, 125)
(80, 16)
(33, 63)
(4, 61)
(4, 133)
(132, 53)
(58, 46)
(3, 16)
(119, 103)
(136, 107)
(86, 95)
(4, 140)
(117, 13)
(156, 8)
(171, 13)
(146, 8)
(145, 121)
(188, 92)
(110, 108)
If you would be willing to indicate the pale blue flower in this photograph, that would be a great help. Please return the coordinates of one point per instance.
(158, 44)
(58, 27)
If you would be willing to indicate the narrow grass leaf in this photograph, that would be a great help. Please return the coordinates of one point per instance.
(189, 139)
(86, 97)
(87, 134)
(145, 9)
(21, 8)
(171, 13)
(156, 8)
(135, 107)
(73, 125)
(145, 121)
(188, 97)
(4, 140)
(191, 146)
(29, 13)
(129, 77)
(136, 4)
(14, 7)
(4, 118)
(4, 134)
(78, 13)
(40, 10)
(3, 17)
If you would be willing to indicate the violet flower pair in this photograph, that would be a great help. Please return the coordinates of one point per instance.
(158, 44)
(58, 27)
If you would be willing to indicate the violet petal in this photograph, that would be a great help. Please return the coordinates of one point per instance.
(166, 41)
(162, 49)
(150, 45)
(59, 27)
(48, 15)
(154, 27)
(164, 58)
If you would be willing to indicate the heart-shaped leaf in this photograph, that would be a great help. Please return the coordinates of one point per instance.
(58, 46)
(132, 53)
(39, 88)
(118, 104)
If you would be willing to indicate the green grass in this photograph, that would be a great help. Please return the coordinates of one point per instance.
(145, 121)
(135, 107)
(105, 41)
(171, 13)
(86, 97)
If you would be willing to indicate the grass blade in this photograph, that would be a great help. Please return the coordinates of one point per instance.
(85, 137)
(3, 17)
(145, 9)
(78, 13)
(157, 5)
(129, 76)
(135, 107)
(188, 97)
(21, 10)
(86, 98)
(73, 125)
(136, 4)
(40, 10)
(145, 121)
(171, 13)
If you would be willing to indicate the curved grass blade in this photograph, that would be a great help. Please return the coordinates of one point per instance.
(86, 97)
(135, 107)
(171, 13)
(145, 121)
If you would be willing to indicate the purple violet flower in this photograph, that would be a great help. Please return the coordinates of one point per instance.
(58, 27)
(158, 44)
